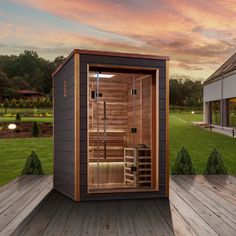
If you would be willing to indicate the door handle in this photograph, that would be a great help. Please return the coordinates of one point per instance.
(105, 134)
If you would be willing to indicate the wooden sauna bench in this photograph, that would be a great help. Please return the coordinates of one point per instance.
(115, 144)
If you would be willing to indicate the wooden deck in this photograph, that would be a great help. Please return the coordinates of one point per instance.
(19, 198)
(198, 206)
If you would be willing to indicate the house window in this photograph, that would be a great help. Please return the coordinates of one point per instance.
(232, 112)
(215, 112)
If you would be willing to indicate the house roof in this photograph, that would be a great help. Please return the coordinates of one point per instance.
(29, 92)
(228, 66)
(112, 54)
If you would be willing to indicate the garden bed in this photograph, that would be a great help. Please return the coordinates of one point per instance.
(23, 130)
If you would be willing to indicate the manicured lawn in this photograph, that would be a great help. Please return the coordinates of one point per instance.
(13, 154)
(199, 142)
(25, 110)
(37, 119)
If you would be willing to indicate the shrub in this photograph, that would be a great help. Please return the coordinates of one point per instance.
(33, 165)
(13, 103)
(215, 164)
(21, 103)
(17, 130)
(35, 129)
(183, 164)
(6, 104)
(18, 117)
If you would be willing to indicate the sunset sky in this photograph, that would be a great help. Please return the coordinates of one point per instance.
(198, 35)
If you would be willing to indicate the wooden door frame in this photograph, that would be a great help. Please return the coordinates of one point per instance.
(155, 120)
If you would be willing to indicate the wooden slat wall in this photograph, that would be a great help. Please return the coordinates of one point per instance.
(64, 137)
(115, 96)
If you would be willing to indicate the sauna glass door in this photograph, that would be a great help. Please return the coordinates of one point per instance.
(120, 132)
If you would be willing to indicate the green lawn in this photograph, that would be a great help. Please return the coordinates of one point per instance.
(37, 119)
(13, 154)
(25, 110)
(199, 142)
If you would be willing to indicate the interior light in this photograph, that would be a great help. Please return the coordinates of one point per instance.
(102, 76)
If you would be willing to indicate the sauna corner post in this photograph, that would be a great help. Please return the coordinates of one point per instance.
(167, 131)
(77, 125)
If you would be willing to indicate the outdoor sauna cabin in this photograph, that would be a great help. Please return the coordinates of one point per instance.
(111, 126)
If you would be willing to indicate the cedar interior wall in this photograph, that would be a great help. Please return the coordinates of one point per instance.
(121, 61)
(64, 174)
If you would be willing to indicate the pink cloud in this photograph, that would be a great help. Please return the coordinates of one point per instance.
(194, 33)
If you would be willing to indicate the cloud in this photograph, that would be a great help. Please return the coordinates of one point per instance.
(198, 35)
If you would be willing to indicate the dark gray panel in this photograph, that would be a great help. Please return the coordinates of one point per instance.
(64, 130)
(94, 59)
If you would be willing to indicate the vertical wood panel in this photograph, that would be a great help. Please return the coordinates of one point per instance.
(167, 129)
(77, 128)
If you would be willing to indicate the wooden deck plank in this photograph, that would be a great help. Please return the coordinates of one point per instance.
(40, 220)
(58, 221)
(226, 194)
(197, 224)
(76, 219)
(213, 196)
(25, 185)
(9, 185)
(230, 178)
(34, 202)
(180, 226)
(223, 183)
(159, 223)
(214, 206)
(92, 220)
(213, 220)
(108, 221)
(13, 189)
(196, 207)
(23, 202)
(125, 223)
(141, 224)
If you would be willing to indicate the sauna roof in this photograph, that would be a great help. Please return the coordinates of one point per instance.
(112, 54)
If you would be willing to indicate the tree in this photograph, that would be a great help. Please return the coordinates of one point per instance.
(183, 164)
(33, 165)
(215, 164)
(21, 103)
(185, 92)
(6, 104)
(35, 129)
(13, 103)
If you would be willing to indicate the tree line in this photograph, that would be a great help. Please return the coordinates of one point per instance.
(29, 71)
(26, 71)
(185, 92)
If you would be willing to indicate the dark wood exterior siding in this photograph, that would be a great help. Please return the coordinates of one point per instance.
(64, 133)
(86, 59)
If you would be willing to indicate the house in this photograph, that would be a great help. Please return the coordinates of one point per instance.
(29, 94)
(220, 95)
(111, 126)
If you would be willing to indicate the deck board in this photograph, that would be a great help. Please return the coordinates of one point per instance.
(197, 206)
(19, 198)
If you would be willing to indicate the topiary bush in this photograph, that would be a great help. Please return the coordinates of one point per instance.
(18, 117)
(35, 129)
(33, 165)
(183, 164)
(215, 164)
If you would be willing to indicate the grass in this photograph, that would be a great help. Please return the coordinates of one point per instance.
(199, 142)
(32, 119)
(25, 110)
(13, 154)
